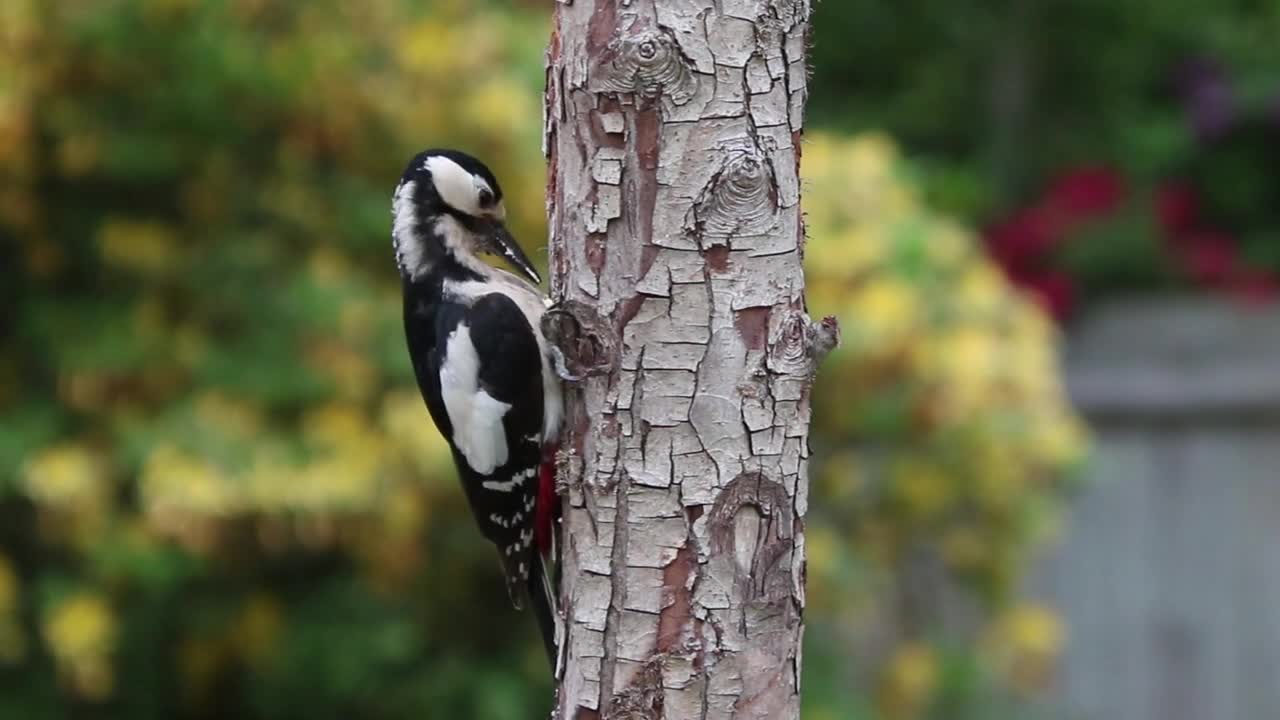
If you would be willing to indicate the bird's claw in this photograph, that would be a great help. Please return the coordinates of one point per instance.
(562, 368)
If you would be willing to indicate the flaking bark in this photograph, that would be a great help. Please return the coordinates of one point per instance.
(672, 133)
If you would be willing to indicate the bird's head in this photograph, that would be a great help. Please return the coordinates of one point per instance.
(447, 208)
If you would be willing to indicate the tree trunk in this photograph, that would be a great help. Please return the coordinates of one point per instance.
(672, 133)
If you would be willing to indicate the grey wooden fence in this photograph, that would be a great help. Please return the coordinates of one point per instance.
(1168, 575)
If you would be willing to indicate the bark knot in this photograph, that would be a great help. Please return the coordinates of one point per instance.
(751, 522)
(741, 199)
(797, 344)
(645, 62)
(587, 342)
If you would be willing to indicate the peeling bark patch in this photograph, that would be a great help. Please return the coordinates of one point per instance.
(602, 26)
(648, 254)
(753, 326)
(594, 251)
(642, 699)
(717, 258)
(674, 619)
(648, 140)
(648, 145)
(607, 124)
(628, 310)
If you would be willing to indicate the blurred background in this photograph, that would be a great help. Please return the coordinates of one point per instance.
(220, 495)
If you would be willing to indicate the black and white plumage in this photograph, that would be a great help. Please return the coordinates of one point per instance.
(482, 364)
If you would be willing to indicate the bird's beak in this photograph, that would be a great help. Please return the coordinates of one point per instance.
(503, 244)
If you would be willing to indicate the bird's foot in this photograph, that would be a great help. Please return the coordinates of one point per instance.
(561, 367)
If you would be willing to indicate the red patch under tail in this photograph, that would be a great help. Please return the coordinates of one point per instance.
(545, 511)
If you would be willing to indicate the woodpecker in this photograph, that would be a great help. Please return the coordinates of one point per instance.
(486, 373)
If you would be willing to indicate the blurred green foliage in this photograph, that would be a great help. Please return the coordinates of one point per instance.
(222, 497)
(997, 97)
(219, 493)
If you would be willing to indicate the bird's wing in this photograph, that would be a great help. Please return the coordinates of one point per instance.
(482, 381)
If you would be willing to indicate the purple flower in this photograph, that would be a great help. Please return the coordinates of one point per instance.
(1207, 97)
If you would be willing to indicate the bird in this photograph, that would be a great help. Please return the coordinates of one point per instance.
(488, 376)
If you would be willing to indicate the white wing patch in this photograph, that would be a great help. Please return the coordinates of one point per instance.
(475, 415)
(532, 304)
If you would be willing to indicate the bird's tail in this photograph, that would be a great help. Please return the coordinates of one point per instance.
(542, 600)
(544, 575)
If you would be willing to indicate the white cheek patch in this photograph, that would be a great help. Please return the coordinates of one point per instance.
(475, 415)
(456, 186)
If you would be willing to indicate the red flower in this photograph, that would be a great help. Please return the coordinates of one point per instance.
(1054, 292)
(1023, 239)
(1088, 192)
(1210, 257)
(1255, 286)
(1175, 208)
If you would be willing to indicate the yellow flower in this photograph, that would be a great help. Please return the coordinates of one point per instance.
(431, 47)
(143, 246)
(1059, 442)
(966, 358)
(227, 415)
(948, 245)
(346, 479)
(405, 512)
(981, 292)
(1001, 474)
(404, 418)
(1026, 643)
(922, 487)
(333, 425)
(844, 258)
(871, 157)
(881, 311)
(1033, 629)
(841, 477)
(327, 267)
(77, 155)
(498, 105)
(66, 477)
(81, 634)
(909, 681)
(822, 549)
(174, 481)
(271, 481)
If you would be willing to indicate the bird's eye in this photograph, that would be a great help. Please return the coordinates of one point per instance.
(486, 197)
